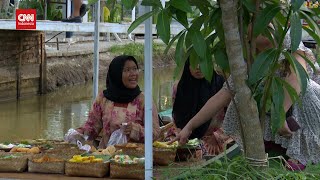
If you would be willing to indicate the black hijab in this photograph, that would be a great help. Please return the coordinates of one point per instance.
(116, 91)
(191, 95)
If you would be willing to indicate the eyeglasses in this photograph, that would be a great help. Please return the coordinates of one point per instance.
(132, 69)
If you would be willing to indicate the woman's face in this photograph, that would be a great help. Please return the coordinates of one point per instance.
(130, 74)
(196, 73)
(262, 43)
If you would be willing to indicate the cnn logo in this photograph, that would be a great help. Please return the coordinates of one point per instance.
(25, 17)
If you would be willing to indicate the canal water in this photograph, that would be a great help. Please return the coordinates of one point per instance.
(50, 116)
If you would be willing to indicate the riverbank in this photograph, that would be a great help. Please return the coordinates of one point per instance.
(73, 63)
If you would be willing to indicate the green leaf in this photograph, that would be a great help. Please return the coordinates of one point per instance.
(308, 61)
(250, 5)
(296, 4)
(295, 31)
(183, 5)
(194, 59)
(311, 22)
(206, 66)
(153, 3)
(188, 40)
(299, 70)
(221, 59)
(173, 40)
(291, 91)
(277, 108)
(90, 2)
(215, 17)
(264, 18)
(163, 26)
(180, 50)
(198, 42)
(203, 6)
(197, 23)
(182, 18)
(129, 4)
(281, 19)
(180, 66)
(141, 19)
(278, 31)
(312, 34)
(211, 38)
(261, 65)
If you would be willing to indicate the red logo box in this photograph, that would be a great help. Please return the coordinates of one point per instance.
(26, 19)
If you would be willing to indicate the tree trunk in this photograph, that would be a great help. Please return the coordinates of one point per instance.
(246, 106)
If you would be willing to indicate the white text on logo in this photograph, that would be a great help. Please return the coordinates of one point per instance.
(26, 17)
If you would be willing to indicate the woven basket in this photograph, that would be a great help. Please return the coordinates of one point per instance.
(46, 167)
(184, 154)
(64, 152)
(126, 171)
(131, 151)
(163, 156)
(87, 169)
(18, 164)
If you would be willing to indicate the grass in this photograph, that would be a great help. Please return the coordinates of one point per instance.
(238, 168)
(137, 50)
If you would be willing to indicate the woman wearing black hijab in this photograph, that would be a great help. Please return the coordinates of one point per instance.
(192, 92)
(122, 102)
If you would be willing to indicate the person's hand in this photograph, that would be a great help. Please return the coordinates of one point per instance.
(177, 131)
(183, 136)
(127, 128)
(213, 144)
(73, 138)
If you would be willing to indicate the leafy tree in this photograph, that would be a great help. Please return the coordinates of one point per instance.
(219, 36)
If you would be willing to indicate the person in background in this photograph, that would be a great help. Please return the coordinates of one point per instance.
(303, 146)
(122, 102)
(78, 11)
(189, 96)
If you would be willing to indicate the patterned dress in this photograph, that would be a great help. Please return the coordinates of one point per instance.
(304, 144)
(106, 116)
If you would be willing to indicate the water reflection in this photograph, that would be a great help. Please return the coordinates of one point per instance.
(50, 116)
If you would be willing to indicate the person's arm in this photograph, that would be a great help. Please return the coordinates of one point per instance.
(93, 125)
(213, 105)
(292, 79)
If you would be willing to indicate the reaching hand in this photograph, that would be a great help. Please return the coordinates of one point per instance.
(182, 137)
(214, 144)
(73, 136)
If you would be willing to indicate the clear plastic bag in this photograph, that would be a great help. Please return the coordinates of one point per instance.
(72, 136)
(85, 147)
(117, 137)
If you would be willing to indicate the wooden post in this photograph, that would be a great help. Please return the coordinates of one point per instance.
(43, 67)
(57, 43)
(18, 69)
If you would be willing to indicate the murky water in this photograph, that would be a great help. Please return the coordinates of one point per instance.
(51, 115)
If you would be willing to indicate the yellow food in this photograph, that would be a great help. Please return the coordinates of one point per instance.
(93, 149)
(165, 144)
(110, 150)
(85, 159)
